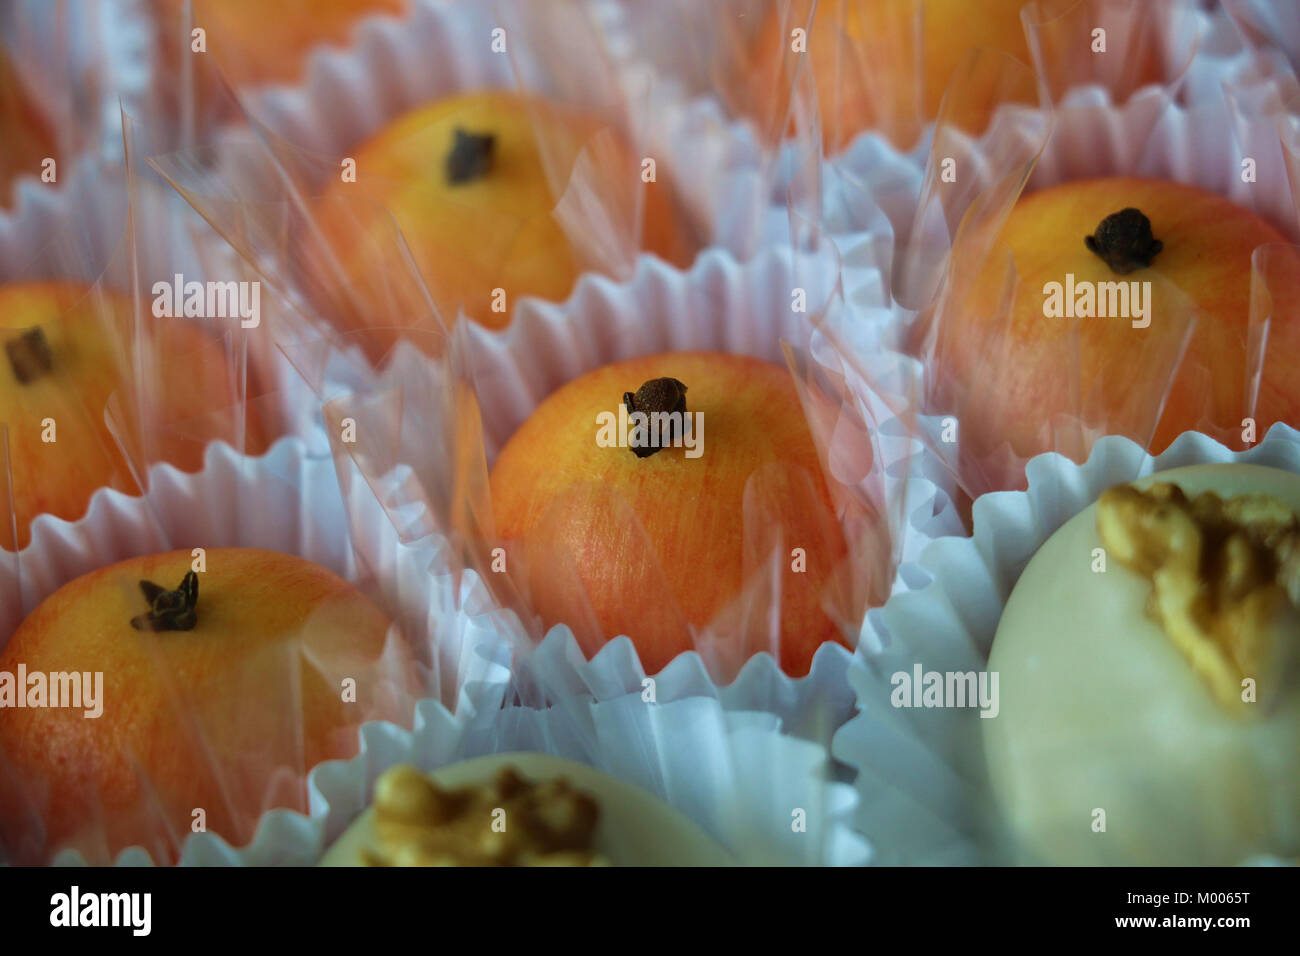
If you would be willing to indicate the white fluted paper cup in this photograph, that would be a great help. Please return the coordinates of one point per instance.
(1177, 134)
(287, 501)
(720, 304)
(766, 797)
(350, 93)
(81, 63)
(925, 796)
(1152, 134)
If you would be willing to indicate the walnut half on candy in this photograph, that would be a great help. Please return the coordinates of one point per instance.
(1221, 570)
(509, 821)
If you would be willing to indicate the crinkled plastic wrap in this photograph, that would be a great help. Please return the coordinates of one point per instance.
(107, 369)
(64, 68)
(888, 66)
(196, 48)
(422, 429)
(1268, 27)
(424, 433)
(996, 399)
(251, 730)
(168, 420)
(628, 164)
(731, 49)
(427, 432)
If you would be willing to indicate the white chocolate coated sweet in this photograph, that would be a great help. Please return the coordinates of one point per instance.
(635, 828)
(1100, 713)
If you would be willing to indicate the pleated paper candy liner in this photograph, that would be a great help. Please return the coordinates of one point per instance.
(261, 185)
(118, 224)
(868, 60)
(768, 798)
(123, 228)
(387, 68)
(922, 784)
(288, 502)
(1186, 148)
(1235, 81)
(876, 185)
(1255, 85)
(994, 120)
(867, 197)
(413, 427)
(740, 53)
(1147, 136)
(97, 246)
(184, 85)
(73, 233)
(78, 62)
(1268, 26)
(556, 49)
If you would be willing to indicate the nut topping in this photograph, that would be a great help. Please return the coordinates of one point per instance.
(1221, 570)
(509, 821)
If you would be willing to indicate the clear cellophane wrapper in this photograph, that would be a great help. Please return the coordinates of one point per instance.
(425, 432)
(597, 114)
(923, 783)
(731, 52)
(194, 48)
(1272, 28)
(66, 67)
(1217, 92)
(163, 386)
(876, 67)
(285, 501)
(430, 416)
(417, 449)
(1195, 93)
(176, 423)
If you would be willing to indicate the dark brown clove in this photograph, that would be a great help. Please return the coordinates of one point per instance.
(29, 355)
(470, 157)
(656, 395)
(1124, 241)
(169, 610)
